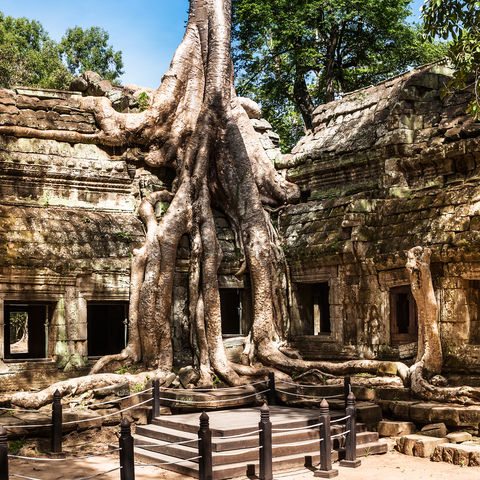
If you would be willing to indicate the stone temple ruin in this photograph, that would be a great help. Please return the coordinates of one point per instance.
(385, 169)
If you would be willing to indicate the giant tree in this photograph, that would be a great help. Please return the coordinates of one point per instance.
(197, 126)
(303, 53)
(458, 20)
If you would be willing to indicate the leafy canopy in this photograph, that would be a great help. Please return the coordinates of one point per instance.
(292, 55)
(28, 56)
(458, 20)
(89, 50)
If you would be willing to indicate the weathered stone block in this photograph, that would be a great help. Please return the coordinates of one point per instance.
(459, 437)
(438, 430)
(391, 428)
(418, 445)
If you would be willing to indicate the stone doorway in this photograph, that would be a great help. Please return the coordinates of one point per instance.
(107, 327)
(26, 330)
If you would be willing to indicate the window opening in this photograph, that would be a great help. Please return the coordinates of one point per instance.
(403, 315)
(313, 301)
(26, 330)
(473, 299)
(107, 327)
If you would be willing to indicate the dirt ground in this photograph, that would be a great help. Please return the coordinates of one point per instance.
(391, 466)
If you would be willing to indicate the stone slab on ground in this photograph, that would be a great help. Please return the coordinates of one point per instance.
(463, 455)
(418, 445)
(395, 428)
(459, 437)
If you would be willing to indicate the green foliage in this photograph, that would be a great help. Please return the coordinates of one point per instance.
(458, 21)
(292, 55)
(89, 50)
(125, 236)
(18, 325)
(14, 446)
(29, 57)
(143, 101)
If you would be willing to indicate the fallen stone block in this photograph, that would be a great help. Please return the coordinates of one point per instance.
(459, 437)
(438, 430)
(392, 428)
(418, 445)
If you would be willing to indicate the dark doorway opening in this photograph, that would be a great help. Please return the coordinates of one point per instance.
(107, 327)
(231, 311)
(26, 330)
(314, 308)
(236, 311)
(403, 315)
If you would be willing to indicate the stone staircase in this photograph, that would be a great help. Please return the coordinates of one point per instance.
(152, 441)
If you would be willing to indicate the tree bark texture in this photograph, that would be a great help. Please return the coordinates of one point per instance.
(429, 344)
(429, 357)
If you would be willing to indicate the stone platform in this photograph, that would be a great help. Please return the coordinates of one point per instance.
(229, 461)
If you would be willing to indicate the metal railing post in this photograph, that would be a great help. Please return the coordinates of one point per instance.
(272, 394)
(156, 398)
(127, 459)
(56, 440)
(3, 454)
(265, 443)
(347, 388)
(325, 470)
(205, 462)
(351, 440)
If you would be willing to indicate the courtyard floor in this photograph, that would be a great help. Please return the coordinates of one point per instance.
(391, 466)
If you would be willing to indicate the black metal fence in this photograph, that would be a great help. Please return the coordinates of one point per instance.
(206, 455)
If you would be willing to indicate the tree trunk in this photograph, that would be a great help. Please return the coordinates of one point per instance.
(303, 99)
(330, 65)
(429, 344)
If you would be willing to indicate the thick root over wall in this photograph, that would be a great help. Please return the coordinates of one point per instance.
(197, 126)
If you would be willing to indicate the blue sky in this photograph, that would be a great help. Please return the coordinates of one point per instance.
(147, 31)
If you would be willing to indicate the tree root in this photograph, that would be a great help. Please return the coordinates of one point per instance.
(421, 388)
(77, 386)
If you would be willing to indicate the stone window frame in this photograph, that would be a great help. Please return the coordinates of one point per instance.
(388, 280)
(397, 338)
(29, 298)
(324, 275)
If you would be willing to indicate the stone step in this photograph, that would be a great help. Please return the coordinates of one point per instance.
(173, 423)
(171, 435)
(452, 415)
(219, 399)
(220, 472)
(232, 452)
(156, 433)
